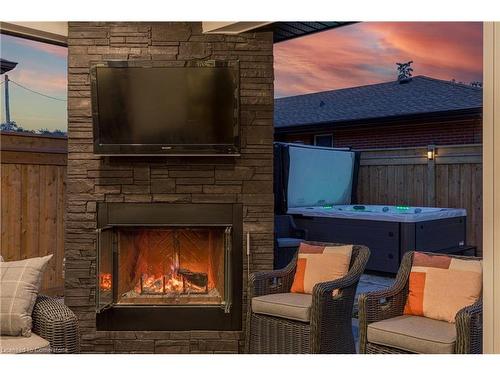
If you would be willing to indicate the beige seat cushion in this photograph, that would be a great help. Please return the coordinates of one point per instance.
(294, 306)
(21, 344)
(19, 285)
(415, 334)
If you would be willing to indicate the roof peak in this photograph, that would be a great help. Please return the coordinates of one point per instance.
(386, 99)
(418, 77)
(464, 85)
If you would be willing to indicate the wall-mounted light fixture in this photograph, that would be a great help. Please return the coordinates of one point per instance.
(431, 152)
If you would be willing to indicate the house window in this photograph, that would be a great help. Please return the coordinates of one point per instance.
(323, 140)
(33, 86)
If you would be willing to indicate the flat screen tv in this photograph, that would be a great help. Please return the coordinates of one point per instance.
(144, 110)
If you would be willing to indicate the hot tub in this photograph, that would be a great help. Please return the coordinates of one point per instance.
(389, 231)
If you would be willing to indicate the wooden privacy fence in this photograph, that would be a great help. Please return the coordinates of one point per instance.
(33, 171)
(406, 176)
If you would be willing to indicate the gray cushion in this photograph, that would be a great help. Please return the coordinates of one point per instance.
(294, 306)
(415, 334)
(289, 242)
(21, 344)
(19, 285)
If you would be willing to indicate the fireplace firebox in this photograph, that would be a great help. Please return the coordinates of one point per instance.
(169, 266)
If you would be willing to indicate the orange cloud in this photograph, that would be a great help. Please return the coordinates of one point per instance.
(366, 53)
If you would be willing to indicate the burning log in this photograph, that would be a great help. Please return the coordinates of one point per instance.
(199, 279)
(182, 281)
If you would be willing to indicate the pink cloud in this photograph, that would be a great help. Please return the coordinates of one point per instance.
(44, 82)
(51, 49)
(366, 53)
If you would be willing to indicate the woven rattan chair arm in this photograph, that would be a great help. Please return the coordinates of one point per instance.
(331, 309)
(471, 310)
(271, 282)
(387, 303)
(468, 322)
(377, 306)
(382, 304)
(56, 323)
(325, 289)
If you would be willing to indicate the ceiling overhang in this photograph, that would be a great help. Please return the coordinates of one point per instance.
(231, 27)
(57, 32)
(51, 32)
(282, 31)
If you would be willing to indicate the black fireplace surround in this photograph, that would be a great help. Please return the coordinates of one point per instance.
(116, 218)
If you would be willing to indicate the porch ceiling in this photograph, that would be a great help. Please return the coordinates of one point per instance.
(282, 30)
(288, 30)
(57, 32)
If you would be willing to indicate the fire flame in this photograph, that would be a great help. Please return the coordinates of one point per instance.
(105, 281)
(158, 285)
(153, 284)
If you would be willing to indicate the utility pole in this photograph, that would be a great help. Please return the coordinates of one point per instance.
(6, 66)
(7, 107)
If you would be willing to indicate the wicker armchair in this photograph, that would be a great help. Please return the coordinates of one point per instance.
(386, 304)
(57, 324)
(329, 329)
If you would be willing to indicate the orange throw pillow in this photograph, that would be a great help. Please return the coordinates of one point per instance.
(440, 286)
(316, 264)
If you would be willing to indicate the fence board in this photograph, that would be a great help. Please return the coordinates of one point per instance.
(11, 208)
(401, 177)
(32, 199)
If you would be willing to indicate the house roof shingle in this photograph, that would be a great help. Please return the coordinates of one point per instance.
(421, 95)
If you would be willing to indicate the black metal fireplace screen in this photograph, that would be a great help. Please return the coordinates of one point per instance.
(164, 265)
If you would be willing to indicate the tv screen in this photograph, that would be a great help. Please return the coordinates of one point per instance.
(162, 110)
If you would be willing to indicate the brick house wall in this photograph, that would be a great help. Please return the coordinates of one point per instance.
(382, 135)
(92, 179)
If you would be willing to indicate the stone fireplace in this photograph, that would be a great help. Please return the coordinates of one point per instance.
(177, 266)
(154, 259)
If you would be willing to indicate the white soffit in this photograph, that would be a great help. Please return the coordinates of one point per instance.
(55, 32)
(231, 27)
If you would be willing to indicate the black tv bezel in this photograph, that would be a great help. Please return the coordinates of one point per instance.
(106, 149)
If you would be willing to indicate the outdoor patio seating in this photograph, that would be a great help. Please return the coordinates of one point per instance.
(55, 330)
(386, 329)
(282, 322)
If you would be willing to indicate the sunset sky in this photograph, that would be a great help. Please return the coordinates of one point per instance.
(366, 53)
(358, 54)
(41, 67)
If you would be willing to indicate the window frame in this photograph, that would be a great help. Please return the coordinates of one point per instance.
(316, 136)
